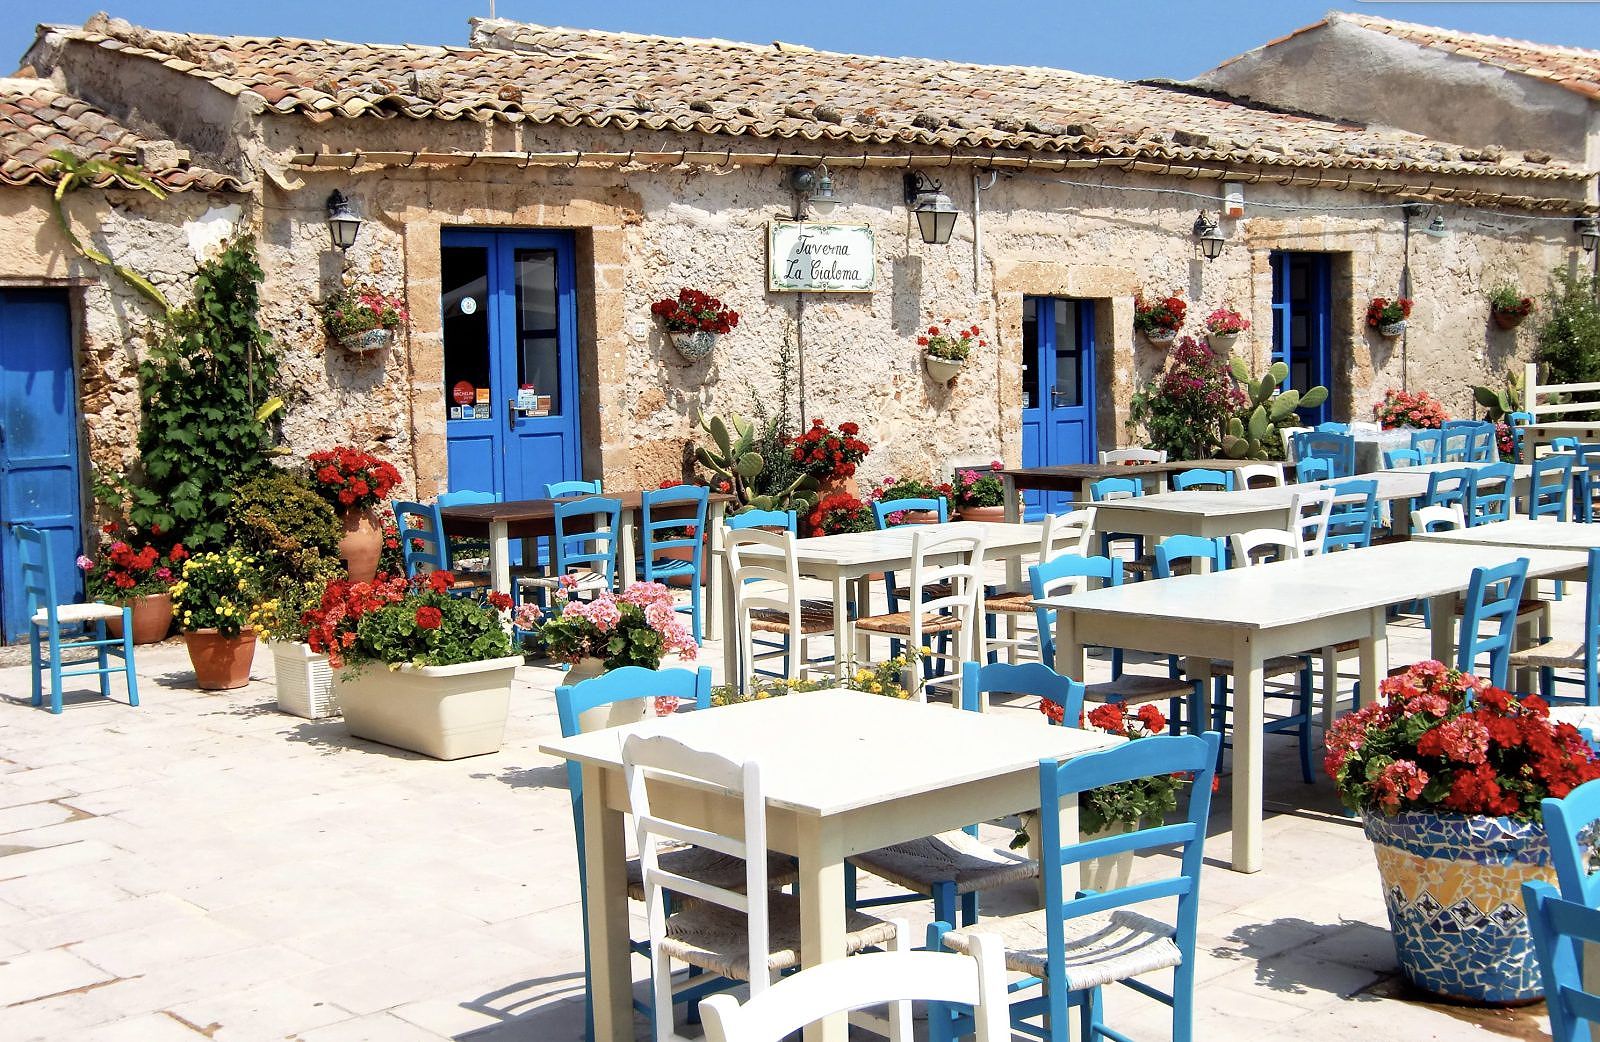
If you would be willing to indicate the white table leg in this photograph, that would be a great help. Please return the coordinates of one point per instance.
(822, 909)
(500, 561)
(1248, 715)
(1442, 616)
(843, 636)
(629, 565)
(715, 579)
(1374, 659)
(1069, 653)
(732, 668)
(860, 641)
(606, 897)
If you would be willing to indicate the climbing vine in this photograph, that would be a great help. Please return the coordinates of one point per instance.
(78, 173)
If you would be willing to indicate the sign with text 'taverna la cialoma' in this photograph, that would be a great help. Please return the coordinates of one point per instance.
(820, 258)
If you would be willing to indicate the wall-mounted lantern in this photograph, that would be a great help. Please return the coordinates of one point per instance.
(936, 214)
(343, 222)
(1208, 236)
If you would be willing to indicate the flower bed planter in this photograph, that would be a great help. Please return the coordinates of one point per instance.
(152, 619)
(304, 680)
(982, 513)
(220, 663)
(446, 712)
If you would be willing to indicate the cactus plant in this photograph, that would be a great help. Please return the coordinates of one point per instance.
(735, 466)
(1253, 433)
(1500, 402)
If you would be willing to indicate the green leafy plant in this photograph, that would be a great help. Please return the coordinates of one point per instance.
(883, 678)
(220, 590)
(75, 173)
(1253, 432)
(736, 467)
(1500, 402)
(975, 488)
(1510, 301)
(291, 598)
(395, 622)
(1185, 409)
(907, 488)
(280, 518)
(953, 345)
(634, 628)
(1569, 335)
(353, 311)
(208, 407)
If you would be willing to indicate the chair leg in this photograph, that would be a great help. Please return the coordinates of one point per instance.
(1089, 1016)
(38, 666)
(1306, 699)
(969, 909)
(944, 901)
(55, 669)
(128, 672)
(850, 886)
(102, 657)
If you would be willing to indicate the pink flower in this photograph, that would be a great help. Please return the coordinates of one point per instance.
(84, 563)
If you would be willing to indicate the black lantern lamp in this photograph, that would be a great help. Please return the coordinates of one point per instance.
(936, 214)
(1209, 236)
(1588, 229)
(343, 222)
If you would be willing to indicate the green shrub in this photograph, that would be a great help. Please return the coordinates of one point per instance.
(288, 527)
(1569, 336)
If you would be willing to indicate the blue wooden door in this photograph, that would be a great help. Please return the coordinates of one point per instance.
(39, 470)
(1302, 324)
(1058, 401)
(510, 361)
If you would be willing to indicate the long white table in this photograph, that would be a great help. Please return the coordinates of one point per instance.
(844, 773)
(1543, 533)
(1249, 615)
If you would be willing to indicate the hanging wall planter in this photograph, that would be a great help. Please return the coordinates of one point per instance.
(945, 350)
(1160, 318)
(693, 346)
(1388, 316)
(1392, 329)
(367, 341)
(693, 320)
(1508, 306)
(943, 370)
(362, 320)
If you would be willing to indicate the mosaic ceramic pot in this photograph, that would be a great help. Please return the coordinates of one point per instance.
(1392, 329)
(1453, 888)
(694, 346)
(367, 341)
(1161, 337)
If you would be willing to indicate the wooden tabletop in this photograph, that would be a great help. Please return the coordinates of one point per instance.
(803, 740)
(1544, 533)
(537, 509)
(892, 545)
(1068, 477)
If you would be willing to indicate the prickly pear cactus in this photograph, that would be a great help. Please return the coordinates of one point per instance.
(1253, 434)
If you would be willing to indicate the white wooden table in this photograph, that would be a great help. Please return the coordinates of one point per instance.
(1249, 615)
(1213, 514)
(846, 559)
(1546, 431)
(844, 773)
(1544, 533)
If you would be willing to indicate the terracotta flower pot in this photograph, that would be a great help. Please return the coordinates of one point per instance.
(983, 513)
(152, 619)
(919, 517)
(220, 663)
(1506, 320)
(681, 553)
(362, 544)
(832, 486)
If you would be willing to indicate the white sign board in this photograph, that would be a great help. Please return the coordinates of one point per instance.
(820, 258)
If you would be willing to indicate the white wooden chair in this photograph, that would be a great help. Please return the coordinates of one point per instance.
(1067, 533)
(765, 578)
(722, 931)
(1440, 517)
(1132, 455)
(1309, 511)
(897, 978)
(1263, 544)
(1287, 434)
(948, 599)
(1258, 475)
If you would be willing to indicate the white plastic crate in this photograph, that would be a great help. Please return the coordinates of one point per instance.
(304, 680)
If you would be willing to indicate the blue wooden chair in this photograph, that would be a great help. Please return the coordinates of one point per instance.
(1108, 490)
(465, 497)
(1488, 494)
(1468, 441)
(1550, 486)
(1516, 421)
(585, 545)
(784, 519)
(1585, 480)
(1581, 655)
(1488, 619)
(420, 531)
(1567, 824)
(1312, 470)
(1354, 514)
(1332, 427)
(1338, 449)
(1394, 459)
(1448, 488)
(1430, 444)
(1561, 930)
(1077, 957)
(568, 489)
(1203, 479)
(55, 624)
(1565, 443)
(894, 593)
(676, 531)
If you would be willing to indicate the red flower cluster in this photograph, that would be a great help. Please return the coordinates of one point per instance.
(351, 479)
(429, 617)
(828, 454)
(331, 627)
(1164, 315)
(1410, 409)
(122, 572)
(1112, 718)
(840, 512)
(1382, 311)
(694, 312)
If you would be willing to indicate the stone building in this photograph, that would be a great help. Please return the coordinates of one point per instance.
(1484, 91)
(530, 195)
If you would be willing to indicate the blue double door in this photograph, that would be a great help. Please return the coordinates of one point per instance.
(1058, 399)
(40, 475)
(510, 361)
(1302, 324)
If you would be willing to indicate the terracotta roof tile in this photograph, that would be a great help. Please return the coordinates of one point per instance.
(37, 119)
(1574, 68)
(565, 77)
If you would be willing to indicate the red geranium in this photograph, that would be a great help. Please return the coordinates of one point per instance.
(429, 617)
(1382, 311)
(118, 572)
(694, 312)
(827, 454)
(350, 479)
(1410, 409)
(840, 512)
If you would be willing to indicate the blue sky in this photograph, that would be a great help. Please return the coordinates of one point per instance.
(1124, 38)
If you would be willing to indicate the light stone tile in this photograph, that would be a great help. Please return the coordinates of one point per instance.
(164, 942)
(152, 1027)
(38, 974)
(272, 1010)
(381, 1027)
(28, 816)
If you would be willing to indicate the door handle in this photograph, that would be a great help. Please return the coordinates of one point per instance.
(511, 414)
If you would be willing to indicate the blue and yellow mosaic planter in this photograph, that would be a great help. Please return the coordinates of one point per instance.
(1453, 887)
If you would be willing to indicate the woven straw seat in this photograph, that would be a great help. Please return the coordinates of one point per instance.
(931, 590)
(948, 857)
(1099, 948)
(812, 620)
(711, 866)
(1012, 602)
(80, 613)
(1282, 665)
(900, 623)
(1525, 607)
(1132, 689)
(714, 938)
(1555, 654)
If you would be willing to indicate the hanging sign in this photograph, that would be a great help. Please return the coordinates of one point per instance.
(820, 258)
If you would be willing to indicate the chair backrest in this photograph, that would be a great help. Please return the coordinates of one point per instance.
(753, 518)
(1518, 418)
(587, 535)
(1287, 436)
(1561, 930)
(418, 526)
(1565, 443)
(1332, 427)
(897, 978)
(1156, 755)
(1354, 514)
(1468, 441)
(1550, 487)
(960, 577)
(661, 757)
(1483, 444)
(1440, 517)
(1446, 487)
(664, 525)
(1312, 470)
(1259, 475)
(1068, 573)
(1338, 449)
(567, 489)
(1309, 510)
(36, 571)
(463, 497)
(1489, 618)
(1198, 553)
(756, 555)
(1394, 459)
(1489, 494)
(1569, 826)
(882, 510)
(1107, 490)
(1430, 444)
(1067, 533)
(1203, 479)
(1262, 545)
(1132, 455)
(1025, 678)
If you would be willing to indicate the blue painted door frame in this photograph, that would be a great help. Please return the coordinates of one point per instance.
(1058, 399)
(40, 478)
(510, 342)
(1302, 324)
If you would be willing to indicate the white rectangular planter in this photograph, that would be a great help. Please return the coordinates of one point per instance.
(304, 680)
(446, 712)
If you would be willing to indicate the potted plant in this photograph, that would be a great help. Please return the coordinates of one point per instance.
(1409, 409)
(362, 319)
(302, 678)
(1185, 409)
(1159, 320)
(416, 667)
(693, 321)
(1508, 306)
(1388, 316)
(1447, 773)
(945, 352)
(139, 579)
(980, 496)
(837, 513)
(354, 483)
(830, 456)
(892, 488)
(217, 600)
(1223, 327)
(878, 678)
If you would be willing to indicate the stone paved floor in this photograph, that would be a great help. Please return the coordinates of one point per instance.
(204, 866)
